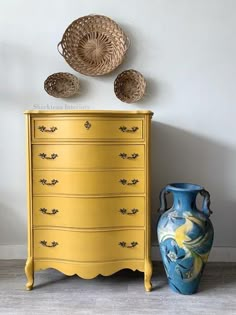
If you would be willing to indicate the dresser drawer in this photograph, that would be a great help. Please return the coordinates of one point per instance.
(88, 212)
(78, 129)
(61, 156)
(88, 246)
(47, 182)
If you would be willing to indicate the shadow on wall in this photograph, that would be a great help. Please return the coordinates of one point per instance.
(180, 156)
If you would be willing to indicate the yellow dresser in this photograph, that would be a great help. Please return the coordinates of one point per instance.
(88, 192)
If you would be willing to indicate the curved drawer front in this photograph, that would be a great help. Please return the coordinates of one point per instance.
(87, 156)
(88, 246)
(90, 128)
(82, 183)
(88, 212)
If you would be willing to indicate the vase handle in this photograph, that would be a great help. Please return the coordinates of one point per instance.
(206, 202)
(163, 202)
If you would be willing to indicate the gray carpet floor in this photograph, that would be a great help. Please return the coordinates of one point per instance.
(121, 293)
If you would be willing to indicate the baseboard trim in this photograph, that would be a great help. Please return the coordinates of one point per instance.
(13, 251)
(218, 254)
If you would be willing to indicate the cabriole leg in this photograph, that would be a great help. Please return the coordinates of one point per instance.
(29, 271)
(147, 276)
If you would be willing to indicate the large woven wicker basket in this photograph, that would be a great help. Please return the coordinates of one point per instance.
(129, 86)
(93, 45)
(62, 84)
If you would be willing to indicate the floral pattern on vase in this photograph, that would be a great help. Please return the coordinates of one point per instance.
(185, 236)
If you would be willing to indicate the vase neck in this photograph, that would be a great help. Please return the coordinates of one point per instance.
(184, 200)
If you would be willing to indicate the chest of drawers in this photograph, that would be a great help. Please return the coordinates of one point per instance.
(88, 192)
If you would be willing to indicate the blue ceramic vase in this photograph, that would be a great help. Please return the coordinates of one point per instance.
(185, 235)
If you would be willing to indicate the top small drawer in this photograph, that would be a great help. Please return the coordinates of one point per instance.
(60, 129)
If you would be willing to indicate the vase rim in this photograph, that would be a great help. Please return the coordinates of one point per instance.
(184, 187)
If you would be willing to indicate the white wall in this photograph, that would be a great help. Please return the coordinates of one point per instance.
(185, 49)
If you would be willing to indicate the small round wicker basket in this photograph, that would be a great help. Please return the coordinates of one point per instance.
(93, 45)
(62, 84)
(129, 86)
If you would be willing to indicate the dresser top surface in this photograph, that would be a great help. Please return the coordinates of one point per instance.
(88, 112)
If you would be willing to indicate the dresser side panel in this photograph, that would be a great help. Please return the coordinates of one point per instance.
(29, 184)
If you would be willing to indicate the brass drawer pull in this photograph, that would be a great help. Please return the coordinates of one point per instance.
(45, 243)
(132, 244)
(44, 156)
(44, 182)
(133, 156)
(87, 125)
(132, 182)
(125, 211)
(44, 129)
(45, 211)
(125, 129)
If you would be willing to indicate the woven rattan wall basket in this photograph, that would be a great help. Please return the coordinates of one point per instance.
(62, 84)
(93, 45)
(129, 86)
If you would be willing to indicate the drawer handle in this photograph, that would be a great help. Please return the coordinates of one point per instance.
(87, 125)
(133, 156)
(125, 129)
(44, 182)
(45, 211)
(132, 244)
(45, 243)
(44, 129)
(44, 156)
(132, 182)
(132, 211)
